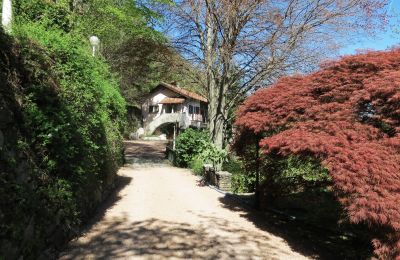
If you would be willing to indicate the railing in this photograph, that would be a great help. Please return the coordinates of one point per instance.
(196, 117)
(182, 120)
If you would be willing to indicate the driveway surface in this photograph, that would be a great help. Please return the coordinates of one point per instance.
(161, 212)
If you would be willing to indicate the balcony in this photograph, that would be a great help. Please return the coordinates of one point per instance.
(183, 120)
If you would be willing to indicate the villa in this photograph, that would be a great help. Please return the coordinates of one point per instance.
(169, 105)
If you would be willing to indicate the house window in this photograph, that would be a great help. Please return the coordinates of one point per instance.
(194, 110)
(170, 109)
(153, 109)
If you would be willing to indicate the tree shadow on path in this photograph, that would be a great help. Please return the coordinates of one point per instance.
(120, 183)
(145, 150)
(316, 242)
(213, 238)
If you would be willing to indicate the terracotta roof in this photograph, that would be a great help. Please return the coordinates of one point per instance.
(168, 100)
(184, 92)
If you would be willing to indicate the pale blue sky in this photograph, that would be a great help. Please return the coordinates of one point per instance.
(384, 39)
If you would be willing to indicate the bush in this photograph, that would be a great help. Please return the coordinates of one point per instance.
(189, 144)
(242, 181)
(213, 155)
(194, 148)
(197, 165)
(209, 155)
(285, 175)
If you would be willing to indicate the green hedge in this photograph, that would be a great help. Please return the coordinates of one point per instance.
(62, 144)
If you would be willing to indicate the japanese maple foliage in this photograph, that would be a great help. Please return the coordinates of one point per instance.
(348, 116)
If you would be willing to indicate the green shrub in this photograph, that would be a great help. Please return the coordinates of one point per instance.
(242, 181)
(211, 154)
(281, 176)
(197, 165)
(189, 144)
(194, 144)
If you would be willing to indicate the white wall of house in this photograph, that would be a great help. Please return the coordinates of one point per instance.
(156, 97)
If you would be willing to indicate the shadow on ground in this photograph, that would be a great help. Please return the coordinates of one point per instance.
(145, 150)
(214, 238)
(211, 237)
(316, 242)
(113, 198)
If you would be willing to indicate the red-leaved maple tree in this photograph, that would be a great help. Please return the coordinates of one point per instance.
(347, 115)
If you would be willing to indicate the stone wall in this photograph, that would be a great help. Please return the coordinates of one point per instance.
(219, 179)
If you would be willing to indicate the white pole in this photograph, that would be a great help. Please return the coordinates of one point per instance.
(173, 142)
(93, 50)
(6, 16)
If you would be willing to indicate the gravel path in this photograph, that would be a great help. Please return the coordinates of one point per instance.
(160, 212)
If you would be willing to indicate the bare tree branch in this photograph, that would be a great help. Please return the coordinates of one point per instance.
(244, 44)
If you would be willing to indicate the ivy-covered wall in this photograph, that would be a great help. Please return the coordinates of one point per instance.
(61, 119)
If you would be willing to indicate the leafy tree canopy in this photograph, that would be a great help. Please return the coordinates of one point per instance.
(347, 115)
(131, 45)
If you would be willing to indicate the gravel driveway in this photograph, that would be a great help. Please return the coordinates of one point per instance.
(160, 212)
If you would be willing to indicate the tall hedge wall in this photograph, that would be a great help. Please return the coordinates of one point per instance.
(61, 118)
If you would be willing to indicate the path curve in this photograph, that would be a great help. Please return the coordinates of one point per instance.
(161, 212)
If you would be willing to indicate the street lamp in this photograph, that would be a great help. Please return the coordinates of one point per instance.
(6, 15)
(95, 42)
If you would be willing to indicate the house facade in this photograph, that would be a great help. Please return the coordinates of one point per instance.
(170, 104)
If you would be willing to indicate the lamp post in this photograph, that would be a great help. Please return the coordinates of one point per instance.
(6, 15)
(95, 42)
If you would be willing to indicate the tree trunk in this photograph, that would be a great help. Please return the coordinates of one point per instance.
(217, 113)
(216, 126)
(216, 97)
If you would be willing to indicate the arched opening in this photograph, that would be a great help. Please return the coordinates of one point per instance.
(167, 129)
